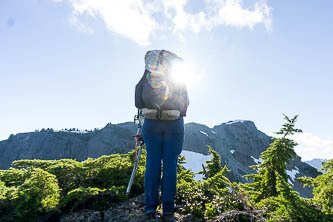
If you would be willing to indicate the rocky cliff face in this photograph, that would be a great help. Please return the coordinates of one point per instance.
(238, 142)
(49, 144)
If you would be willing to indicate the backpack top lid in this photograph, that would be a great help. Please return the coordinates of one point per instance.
(160, 61)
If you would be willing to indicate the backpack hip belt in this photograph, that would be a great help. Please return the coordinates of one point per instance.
(168, 114)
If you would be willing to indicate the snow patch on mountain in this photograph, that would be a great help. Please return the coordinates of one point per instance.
(292, 173)
(204, 133)
(235, 121)
(194, 161)
(291, 183)
(257, 161)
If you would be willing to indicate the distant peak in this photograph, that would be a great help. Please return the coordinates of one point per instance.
(239, 121)
(236, 121)
(194, 123)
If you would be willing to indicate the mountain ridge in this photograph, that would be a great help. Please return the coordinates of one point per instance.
(239, 143)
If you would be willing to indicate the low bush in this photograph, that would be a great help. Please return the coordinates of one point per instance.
(37, 187)
(37, 193)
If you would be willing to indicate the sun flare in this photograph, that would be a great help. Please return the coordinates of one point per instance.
(182, 73)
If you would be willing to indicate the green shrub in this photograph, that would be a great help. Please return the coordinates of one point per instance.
(115, 170)
(39, 186)
(70, 173)
(3, 190)
(104, 172)
(38, 193)
(78, 196)
(13, 177)
(209, 198)
(92, 198)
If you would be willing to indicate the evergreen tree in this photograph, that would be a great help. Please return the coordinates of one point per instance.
(213, 165)
(270, 189)
(323, 187)
(184, 175)
(276, 158)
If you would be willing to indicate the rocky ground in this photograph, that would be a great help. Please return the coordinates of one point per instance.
(131, 211)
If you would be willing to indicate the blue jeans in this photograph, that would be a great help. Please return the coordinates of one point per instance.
(164, 141)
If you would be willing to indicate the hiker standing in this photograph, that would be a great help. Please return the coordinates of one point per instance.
(163, 103)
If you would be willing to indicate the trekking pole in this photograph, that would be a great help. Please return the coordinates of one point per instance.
(138, 139)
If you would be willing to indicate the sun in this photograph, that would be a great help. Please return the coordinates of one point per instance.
(181, 73)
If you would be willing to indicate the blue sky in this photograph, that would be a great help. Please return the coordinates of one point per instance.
(74, 64)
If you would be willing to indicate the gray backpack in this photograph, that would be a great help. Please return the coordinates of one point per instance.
(156, 91)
